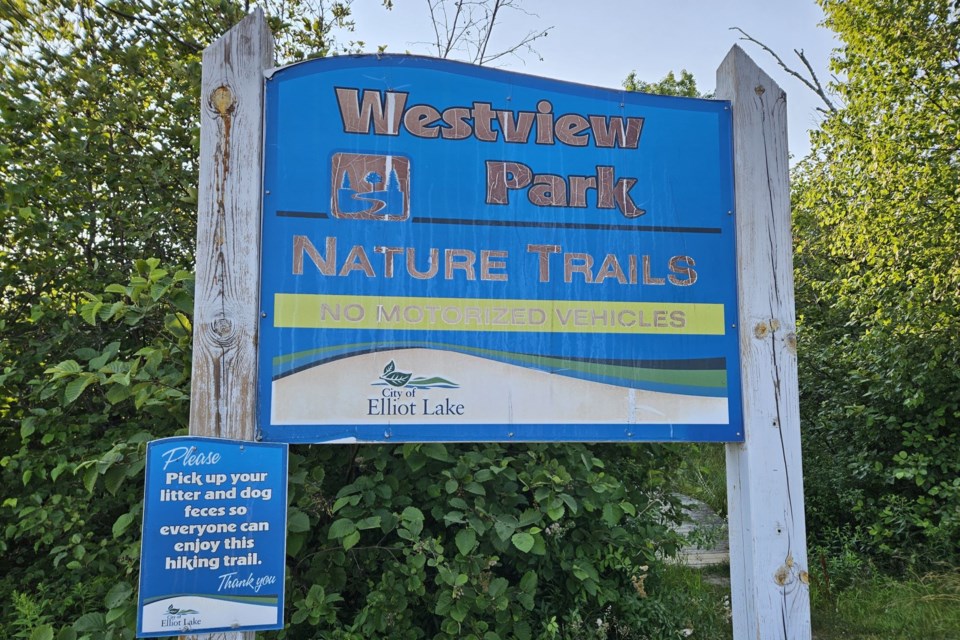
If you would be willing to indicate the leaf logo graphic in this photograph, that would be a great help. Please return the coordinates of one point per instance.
(393, 377)
(173, 611)
(398, 379)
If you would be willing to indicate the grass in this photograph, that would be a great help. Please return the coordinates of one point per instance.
(857, 602)
(883, 608)
(878, 608)
(705, 601)
(703, 475)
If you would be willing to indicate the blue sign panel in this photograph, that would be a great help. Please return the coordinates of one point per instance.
(214, 537)
(453, 253)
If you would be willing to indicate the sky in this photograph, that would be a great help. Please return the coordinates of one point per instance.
(599, 42)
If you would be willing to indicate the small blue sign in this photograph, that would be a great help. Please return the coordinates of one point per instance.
(454, 253)
(213, 552)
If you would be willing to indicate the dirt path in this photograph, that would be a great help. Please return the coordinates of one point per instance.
(706, 533)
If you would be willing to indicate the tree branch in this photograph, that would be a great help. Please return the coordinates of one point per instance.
(813, 85)
(470, 33)
(154, 22)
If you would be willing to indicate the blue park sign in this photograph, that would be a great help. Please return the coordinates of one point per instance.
(452, 253)
(214, 537)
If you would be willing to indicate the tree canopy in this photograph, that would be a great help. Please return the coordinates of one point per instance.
(878, 277)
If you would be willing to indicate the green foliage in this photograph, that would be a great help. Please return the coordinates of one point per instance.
(480, 541)
(703, 595)
(99, 117)
(878, 607)
(670, 85)
(878, 277)
(86, 437)
(703, 475)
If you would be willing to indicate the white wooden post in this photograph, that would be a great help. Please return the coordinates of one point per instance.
(226, 310)
(768, 548)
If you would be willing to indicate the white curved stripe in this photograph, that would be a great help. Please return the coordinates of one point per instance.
(490, 392)
(211, 613)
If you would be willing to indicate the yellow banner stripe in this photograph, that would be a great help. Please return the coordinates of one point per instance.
(313, 311)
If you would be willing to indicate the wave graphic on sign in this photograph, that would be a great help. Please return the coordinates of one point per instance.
(706, 377)
(181, 614)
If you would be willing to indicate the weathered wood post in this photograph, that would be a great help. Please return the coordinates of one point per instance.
(768, 550)
(226, 310)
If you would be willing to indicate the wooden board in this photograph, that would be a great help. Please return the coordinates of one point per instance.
(226, 310)
(768, 556)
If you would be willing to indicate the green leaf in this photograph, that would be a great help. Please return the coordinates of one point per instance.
(115, 614)
(297, 521)
(412, 514)
(118, 595)
(475, 488)
(64, 368)
(67, 633)
(114, 477)
(341, 528)
(43, 632)
(350, 540)
(89, 311)
(77, 385)
(505, 527)
(529, 516)
(528, 583)
(27, 427)
(436, 451)
(522, 541)
(453, 517)
(466, 541)
(570, 502)
(371, 522)
(396, 378)
(90, 478)
(108, 354)
(412, 520)
(90, 623)
(611, 514)
(343, 501)
(497, 587)
(118, 393)
(483, 475)
(122, 524)
(295, 543)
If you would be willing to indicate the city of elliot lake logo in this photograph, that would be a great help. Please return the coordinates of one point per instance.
(398, 396)
(370, 187)
(180, 618)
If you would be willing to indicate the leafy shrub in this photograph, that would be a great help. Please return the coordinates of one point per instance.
(479, 541)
